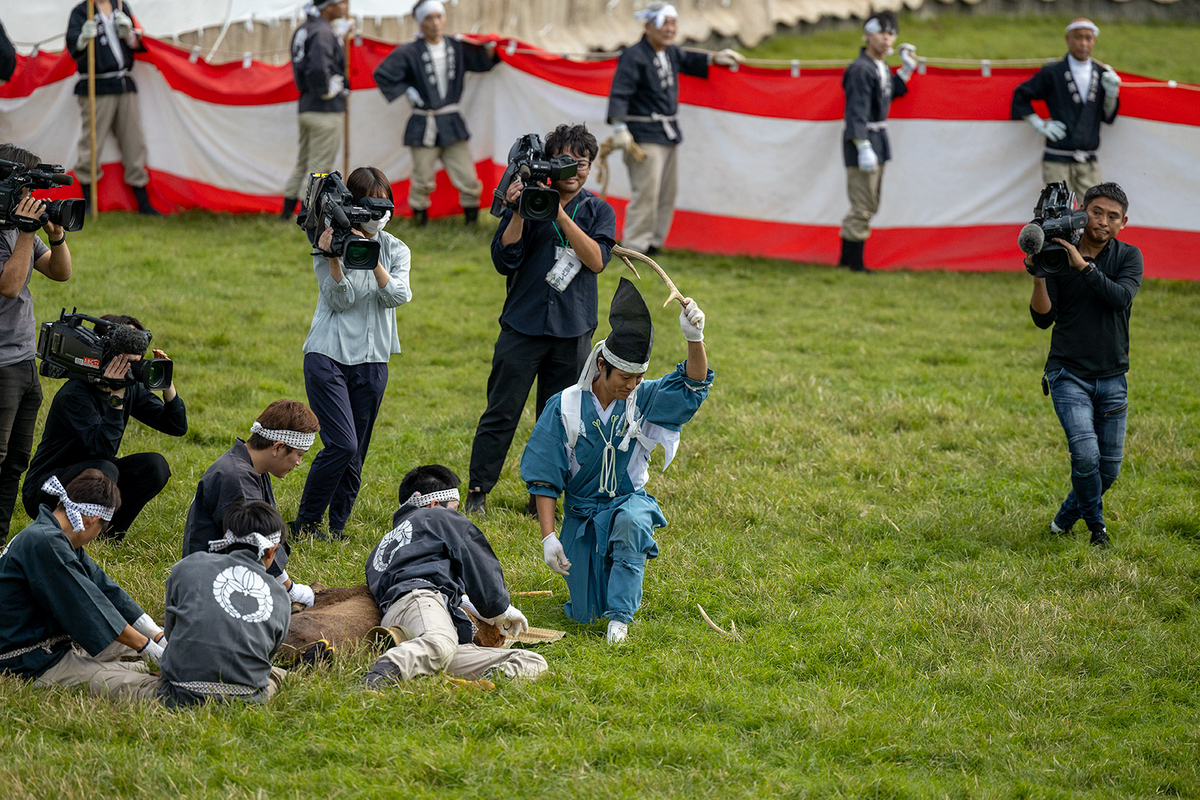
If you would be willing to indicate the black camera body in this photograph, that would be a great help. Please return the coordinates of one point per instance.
(1059, 216)
(68, 347)
(527, 160)
(67, 213)
(329, 204)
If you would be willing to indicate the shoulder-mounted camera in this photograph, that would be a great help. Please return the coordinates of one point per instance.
(527, 160)
(1056, 216)
(76, 345)
(329, 204)
(67, 213)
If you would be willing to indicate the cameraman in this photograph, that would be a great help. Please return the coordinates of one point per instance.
(86, 423)
(346, 354)
(544, 333)
(1088, 305)
(21, 253)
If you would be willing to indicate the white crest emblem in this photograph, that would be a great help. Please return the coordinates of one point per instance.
(242, 581)
(396, 538)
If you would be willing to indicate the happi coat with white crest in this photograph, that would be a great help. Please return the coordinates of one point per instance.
(599, 460)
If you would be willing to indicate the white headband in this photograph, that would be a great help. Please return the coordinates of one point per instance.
(418, 500)
(256, 540)
(657, 15)
(295, 439)
(620, 363)
(76, 511)
(873, 25)
(1084, 24)
(428, 7)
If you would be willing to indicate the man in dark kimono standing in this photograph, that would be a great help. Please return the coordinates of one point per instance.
(642, 106)
(429, 71)
(1080, 94)
(869, 88)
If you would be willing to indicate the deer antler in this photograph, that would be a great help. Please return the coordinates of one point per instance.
(625, 254)
(732, 633)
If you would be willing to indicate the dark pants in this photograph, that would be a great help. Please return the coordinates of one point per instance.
(346, 400)
(140, 477)
(556, 363)
(20, 398)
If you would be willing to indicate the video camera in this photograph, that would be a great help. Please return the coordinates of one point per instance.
(329, 204)
(67, 213)
(1056, 216)
(527, 161)
(68, 347)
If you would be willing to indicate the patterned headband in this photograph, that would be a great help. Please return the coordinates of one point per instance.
(417, 499)
(255, 539)
(76, 511)
(295, 439)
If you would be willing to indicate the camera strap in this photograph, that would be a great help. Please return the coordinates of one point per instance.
(562, 238)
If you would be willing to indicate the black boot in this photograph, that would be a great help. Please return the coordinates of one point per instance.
(471, 215)
(87, 198)
(421, 216)
(289, 208)
(143, 201)
(852, 256)
(476, 503)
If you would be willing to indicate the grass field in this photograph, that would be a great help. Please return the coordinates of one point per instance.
(866, 493)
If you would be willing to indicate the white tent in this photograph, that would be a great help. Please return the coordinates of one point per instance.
(44, 21)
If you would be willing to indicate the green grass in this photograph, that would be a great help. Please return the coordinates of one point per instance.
(1164, 50)
(866, 493)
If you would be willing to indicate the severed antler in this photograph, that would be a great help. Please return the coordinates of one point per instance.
(625, 254)
(732, 633)
(606, 147)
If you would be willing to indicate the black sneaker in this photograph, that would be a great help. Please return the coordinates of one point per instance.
(1099, 537)
(308, 530)
(476, 503)
(382, 675)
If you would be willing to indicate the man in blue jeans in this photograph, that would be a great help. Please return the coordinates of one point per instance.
(1088, 305)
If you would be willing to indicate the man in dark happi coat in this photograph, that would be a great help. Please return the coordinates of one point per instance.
(869, 87)
(642, 106)
(1080, 93)
(429, 71)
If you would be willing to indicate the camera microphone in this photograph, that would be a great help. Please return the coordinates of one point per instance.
(1031, 239)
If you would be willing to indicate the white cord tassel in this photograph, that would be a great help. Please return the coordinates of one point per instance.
(608, 464)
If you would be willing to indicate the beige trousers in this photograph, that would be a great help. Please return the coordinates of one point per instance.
(863, 189)
(459, 166)
(436, 649)
(105, 674)
(320, 138)
(653, 183)
(120, 115)
(1079, 177)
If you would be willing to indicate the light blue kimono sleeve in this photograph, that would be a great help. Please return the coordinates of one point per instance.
(673, 399)
(544, 464)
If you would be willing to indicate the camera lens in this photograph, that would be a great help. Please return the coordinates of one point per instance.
(67, 213)
(539, 204)
(360, 254)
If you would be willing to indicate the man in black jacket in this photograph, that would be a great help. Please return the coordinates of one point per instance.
(423, 571)
(1080, 94)
(86, 423)
(1088, 305)
(642, 105)
(117, 111)
(319, 69)
(429, 71)
(8, 56)
(869, 87)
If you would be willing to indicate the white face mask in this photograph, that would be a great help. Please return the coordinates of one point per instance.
(374, 226)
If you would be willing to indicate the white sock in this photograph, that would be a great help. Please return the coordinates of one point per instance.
(617, 631)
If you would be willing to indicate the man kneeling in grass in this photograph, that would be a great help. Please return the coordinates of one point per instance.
(419, 573)
(226, 614)
(65, 622)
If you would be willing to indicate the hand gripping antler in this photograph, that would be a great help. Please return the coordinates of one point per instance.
(625, 254)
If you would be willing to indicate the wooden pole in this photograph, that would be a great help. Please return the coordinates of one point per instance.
(346, 117)
(94, 204)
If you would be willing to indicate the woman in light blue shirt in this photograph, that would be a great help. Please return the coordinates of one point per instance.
(352, 336)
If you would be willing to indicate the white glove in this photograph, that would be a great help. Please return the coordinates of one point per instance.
(88, 31)
(553, 555)
(469, 606)
(146, 626)
(691, 321)
(622, 139)
(512, 622)
(867, 160)
(908, 58)
(414, 97)
(153, 651)
(1052, 129)
(727, 57)
(122, 23)
(1111, 82)
(337, 85)
(302, 593)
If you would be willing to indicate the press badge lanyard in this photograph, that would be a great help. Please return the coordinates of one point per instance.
(567, 263)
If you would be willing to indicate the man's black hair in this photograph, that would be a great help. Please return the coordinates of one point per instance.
(426, 480)
(1110, 190)
(575, 138)
(124, 319)
(10, 152)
